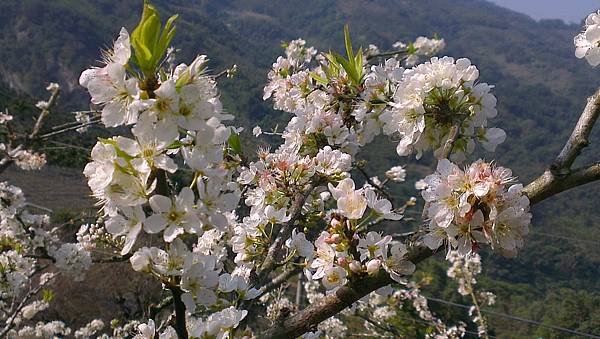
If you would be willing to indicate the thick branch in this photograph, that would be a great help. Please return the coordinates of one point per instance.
(333, 303)
(549, 184)
(579, 137)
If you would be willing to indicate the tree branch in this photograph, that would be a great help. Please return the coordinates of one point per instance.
(333, 303)
(180, 325)
(45, 112)
(579, 137)
(549, 184)
(278, 280)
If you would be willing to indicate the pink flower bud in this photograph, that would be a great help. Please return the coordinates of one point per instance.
(329, 240)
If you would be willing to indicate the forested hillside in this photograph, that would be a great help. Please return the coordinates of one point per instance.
(541, 88)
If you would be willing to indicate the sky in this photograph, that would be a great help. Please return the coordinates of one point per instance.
(571, 11)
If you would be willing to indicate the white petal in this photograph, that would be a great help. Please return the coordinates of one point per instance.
(130, 238)
(172, 232)
(155, 223)
(160, 203)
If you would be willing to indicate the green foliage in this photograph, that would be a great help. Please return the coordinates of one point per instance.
(234, 143)
(149, 41)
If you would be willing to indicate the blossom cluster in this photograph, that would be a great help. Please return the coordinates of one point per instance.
(347, 106)
(27, 240)
(177, 133)
(24, 157)
(464, 270)
(435, 96)
(475, 206)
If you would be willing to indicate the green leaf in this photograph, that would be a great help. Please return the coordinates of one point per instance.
(358, 64)
(234, 142)
(318, 78)
(150, 41)
(142, 52)
(183, 80)
(151, 31)
(166, 36)
(348, 43)
(349, 68)
(175, 144)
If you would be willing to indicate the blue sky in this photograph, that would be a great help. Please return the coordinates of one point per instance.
(567, 10)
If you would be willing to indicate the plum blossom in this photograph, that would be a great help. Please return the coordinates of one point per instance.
(396, 174)
(128, 223)
(73, 260)
(431, 98)
(587, 43)
(373, 246)
(110, 87)
(298, 242)
(334, 277)
(350, 202)
(173, 216)
(199, 279)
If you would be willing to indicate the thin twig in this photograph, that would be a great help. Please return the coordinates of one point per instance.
(274, 251)
(180, 322)
(360, 167)
(67, 129)
(385, 54)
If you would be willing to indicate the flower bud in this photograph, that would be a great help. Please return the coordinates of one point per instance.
(373, 266)
(355, 266)
(325, 195)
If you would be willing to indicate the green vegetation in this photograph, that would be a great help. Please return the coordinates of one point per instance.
(540, 85)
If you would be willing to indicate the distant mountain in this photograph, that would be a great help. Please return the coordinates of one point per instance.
(540, 85)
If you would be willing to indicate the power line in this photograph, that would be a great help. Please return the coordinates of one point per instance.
(512, 317)
(476, 335)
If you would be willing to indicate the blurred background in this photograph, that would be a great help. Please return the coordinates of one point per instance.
(525, 48)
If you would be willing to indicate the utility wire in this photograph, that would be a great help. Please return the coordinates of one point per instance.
(474, 334)
(512, 317)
